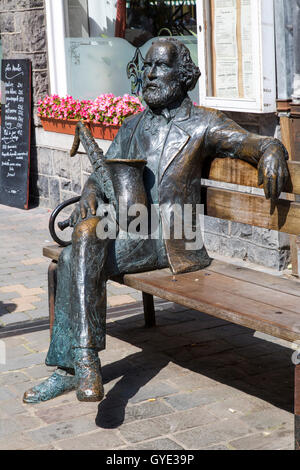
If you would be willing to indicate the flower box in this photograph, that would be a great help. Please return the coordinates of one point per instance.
(67, 126)
(104, 115)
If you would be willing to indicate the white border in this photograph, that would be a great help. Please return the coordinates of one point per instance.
(56, 46)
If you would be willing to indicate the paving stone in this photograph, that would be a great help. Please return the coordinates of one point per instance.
(13, 406)
(187, 327)
(66, 412)
(5, 394)
(147, 429)
(192, 382)
(142, 430)
(218, 432)
(33, 261)
(117, 300)
(192, 351)
(153, 390)
(15, 317)
(39, 313)
(23, 362)
(268, 419)
(63, 430)
(38, 341)
(185, 401)
(280, 439)
(12, 378)
(217, 447)
(15, 441)
(237, 406)
(159, 444)
(39, 372)
(254, 350)
(101, 440)
(149, 409)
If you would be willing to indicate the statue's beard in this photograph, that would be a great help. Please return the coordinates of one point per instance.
(158, 96)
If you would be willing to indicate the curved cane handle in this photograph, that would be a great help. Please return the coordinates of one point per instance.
(62, 225)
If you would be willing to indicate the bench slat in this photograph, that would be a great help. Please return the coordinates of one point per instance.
(213, 301)
(253, 210)
(52, 251)
(242, 173)
(280, 300)
(239, 295)
(280, 284)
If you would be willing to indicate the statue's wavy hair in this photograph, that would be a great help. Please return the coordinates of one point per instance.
(188, 70)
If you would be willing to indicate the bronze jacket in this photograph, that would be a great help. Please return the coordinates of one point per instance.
(195, 134)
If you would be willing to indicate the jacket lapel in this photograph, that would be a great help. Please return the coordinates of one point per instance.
(176, 139)
(132, 126)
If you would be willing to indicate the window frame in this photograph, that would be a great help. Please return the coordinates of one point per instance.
(263, 33)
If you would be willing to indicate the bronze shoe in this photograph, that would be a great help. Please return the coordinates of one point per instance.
(88, 375)
(57, 384)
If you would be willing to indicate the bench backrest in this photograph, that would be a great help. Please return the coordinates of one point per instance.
(246, 207)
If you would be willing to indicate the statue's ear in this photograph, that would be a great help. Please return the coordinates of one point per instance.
(192, 80)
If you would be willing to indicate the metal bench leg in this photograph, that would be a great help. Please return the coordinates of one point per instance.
(297, 407)
(149, 310)
(52, 281)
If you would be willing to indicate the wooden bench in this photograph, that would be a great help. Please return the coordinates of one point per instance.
(254, 299)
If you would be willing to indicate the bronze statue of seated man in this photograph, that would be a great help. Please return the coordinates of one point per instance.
(176, 138)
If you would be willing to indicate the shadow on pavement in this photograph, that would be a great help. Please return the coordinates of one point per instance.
(238, 359)
(6, 308)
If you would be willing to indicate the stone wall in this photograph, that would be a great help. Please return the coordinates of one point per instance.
(55, 176)
(23, 36)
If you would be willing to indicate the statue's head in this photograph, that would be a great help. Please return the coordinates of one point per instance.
(169, 73)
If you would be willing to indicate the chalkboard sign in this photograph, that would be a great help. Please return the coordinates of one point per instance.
(15, 132)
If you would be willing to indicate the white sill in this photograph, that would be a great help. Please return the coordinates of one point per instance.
(64, 142)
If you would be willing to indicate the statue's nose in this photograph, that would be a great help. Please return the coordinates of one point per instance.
(152, 72)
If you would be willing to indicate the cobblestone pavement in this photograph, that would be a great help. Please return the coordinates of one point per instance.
(193, 382)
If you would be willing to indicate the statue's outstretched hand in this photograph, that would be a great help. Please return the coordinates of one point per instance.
(87, 206)
(88, 203)
(74, 216)
(273, 171)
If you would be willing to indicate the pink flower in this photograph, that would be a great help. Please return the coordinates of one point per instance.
(106, 108)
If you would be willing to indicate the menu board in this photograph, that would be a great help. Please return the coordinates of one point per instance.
(232, 55)
(15, 132)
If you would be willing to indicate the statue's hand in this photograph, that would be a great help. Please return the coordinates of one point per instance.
(74, 216)
(273, 171)
(87, 206)
(88, 203)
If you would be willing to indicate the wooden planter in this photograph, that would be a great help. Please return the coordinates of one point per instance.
(99, 131)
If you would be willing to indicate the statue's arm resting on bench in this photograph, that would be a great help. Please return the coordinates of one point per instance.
(225, 138)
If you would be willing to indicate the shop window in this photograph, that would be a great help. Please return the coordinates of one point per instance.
(103, 43)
